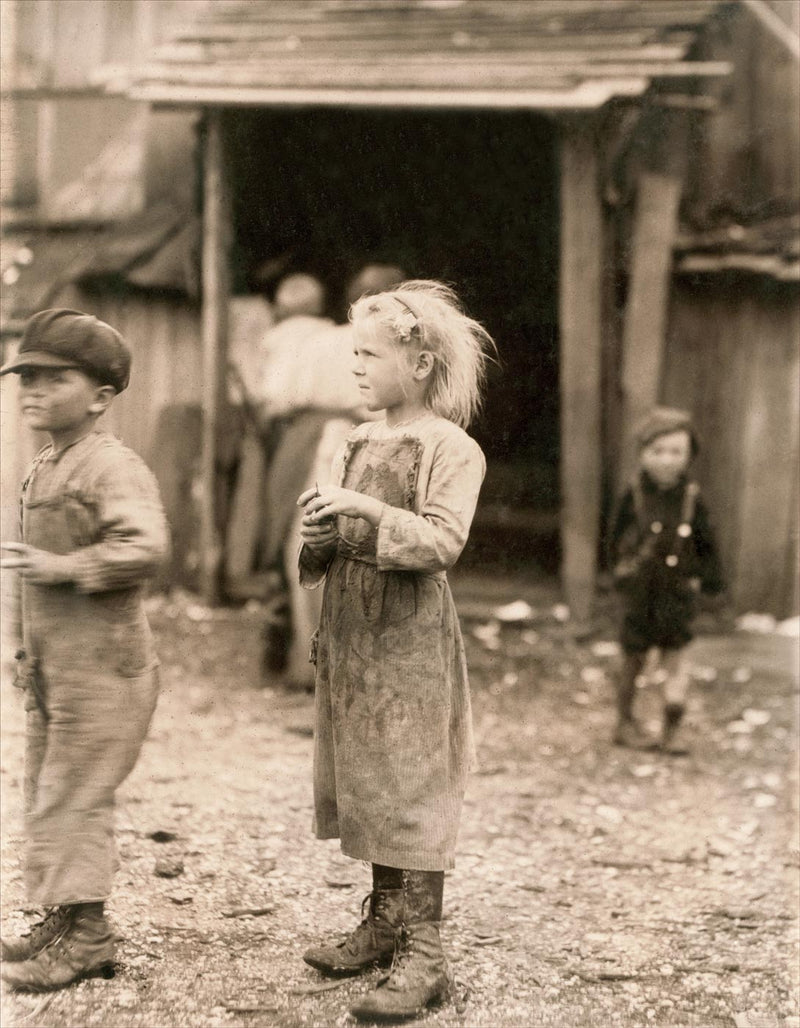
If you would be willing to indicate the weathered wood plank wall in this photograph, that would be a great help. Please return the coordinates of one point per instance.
(733, 359)
(745, 151)
(164, 336)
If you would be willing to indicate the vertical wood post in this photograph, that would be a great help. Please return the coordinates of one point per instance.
(644, 335)
(580, 375)
(216, 289)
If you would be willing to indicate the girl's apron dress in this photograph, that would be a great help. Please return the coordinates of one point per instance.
(394, 738)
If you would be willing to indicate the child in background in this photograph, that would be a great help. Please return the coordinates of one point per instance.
(663, 554)
(393, 740)
(93, 529)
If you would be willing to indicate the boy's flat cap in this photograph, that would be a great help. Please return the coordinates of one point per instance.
(662, 421)
(63, 338)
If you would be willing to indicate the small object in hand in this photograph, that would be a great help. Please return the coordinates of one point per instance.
(324, 518)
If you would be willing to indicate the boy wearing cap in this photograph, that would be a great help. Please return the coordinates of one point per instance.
(93, 530)
(663, 554)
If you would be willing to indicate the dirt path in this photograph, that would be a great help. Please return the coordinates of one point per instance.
(593, 887)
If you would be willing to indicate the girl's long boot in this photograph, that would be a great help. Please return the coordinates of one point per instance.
(628, 732)
(373, 941)
(419, 974)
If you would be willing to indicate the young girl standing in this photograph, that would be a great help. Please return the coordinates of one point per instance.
(393, 739)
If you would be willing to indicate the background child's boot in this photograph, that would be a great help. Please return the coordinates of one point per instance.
(373, 941)
(673, 715)
(23, 947)
(628, 732)
(83, 950)
(419, 974)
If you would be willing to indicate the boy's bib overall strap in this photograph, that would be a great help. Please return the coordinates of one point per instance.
(684, 529)
(689, 502)
(649, 532)
(638, 501)
(688, 506)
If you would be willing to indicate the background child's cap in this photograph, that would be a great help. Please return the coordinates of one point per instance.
(62, 338)
(662, 421)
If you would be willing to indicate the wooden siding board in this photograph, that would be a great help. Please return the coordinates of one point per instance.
(706, 372)
(646, 313)
(789, 598)
(216, 297)
(732, 361)
(581, 371)
(767, 453)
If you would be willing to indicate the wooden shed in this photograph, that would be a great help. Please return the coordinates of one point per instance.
(548, 157)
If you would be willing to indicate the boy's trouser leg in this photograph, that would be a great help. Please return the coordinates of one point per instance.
(94, 734)
(35, 747)
(676, 684)
(632, 665)
(627, 732)
(676, 688)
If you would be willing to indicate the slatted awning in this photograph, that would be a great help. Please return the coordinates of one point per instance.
(536, 54)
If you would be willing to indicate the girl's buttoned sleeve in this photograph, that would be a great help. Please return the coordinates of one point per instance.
(432, 539)
(130, 527)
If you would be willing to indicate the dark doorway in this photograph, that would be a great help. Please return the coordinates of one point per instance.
(466, 197)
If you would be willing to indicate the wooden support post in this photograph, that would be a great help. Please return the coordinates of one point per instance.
(581, 385)
(216, 290)
(645, 328)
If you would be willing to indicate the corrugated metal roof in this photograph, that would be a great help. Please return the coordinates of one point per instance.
(545, 54)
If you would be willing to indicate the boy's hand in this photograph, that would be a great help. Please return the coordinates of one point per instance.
(332, 500)
(38, 566)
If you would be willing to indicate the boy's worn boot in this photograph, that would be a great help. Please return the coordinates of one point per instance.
(628, 731)
(419, 974)
(673, 715)
(84, 949)
(23, 947)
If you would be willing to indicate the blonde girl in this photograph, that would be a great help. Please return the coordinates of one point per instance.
(393, 739)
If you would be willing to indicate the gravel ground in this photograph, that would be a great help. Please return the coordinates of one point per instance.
(593, 886)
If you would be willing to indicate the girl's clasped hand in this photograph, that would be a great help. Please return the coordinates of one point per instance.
(322, 507)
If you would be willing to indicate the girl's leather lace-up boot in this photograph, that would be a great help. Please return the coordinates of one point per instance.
(419, 975)
(372, 942)
(85, 949)
(23, 947)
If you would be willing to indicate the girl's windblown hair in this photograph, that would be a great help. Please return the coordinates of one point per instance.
(427, 315)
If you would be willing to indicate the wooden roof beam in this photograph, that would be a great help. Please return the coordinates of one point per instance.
(587, 96)
(246, 75)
